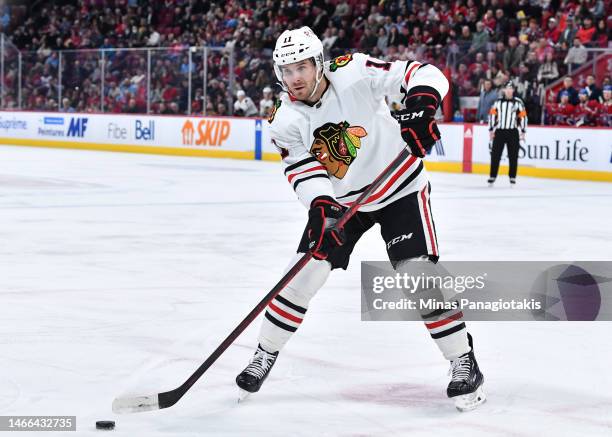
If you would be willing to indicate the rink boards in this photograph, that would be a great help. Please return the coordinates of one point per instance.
(555, 152)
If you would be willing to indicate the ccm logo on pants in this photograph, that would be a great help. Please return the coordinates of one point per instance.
(399, 239)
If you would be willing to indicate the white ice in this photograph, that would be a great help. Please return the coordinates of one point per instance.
(120, 273)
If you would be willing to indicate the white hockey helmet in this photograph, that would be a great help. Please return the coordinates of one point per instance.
(295, 46)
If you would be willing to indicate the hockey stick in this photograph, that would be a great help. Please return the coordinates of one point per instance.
(169, 398)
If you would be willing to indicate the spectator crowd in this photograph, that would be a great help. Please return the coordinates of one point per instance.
(483, 44)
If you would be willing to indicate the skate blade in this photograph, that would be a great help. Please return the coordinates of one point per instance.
(243, 395)
(470, 401)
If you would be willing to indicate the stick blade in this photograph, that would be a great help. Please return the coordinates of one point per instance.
(136, 404)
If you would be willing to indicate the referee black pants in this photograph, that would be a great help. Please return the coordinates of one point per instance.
(501, 138)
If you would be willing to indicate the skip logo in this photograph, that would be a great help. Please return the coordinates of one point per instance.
(77, 127)
(208, 132)
(399, 240)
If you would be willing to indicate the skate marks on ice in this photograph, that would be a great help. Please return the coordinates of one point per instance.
(9, 390)
(16, 182)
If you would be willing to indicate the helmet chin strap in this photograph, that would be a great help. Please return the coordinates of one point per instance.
(318, 79)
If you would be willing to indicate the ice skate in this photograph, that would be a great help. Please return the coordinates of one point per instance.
(491, 181)
(253, 376)
(465, 387)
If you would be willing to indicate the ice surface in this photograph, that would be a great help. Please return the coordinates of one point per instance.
(120, 273)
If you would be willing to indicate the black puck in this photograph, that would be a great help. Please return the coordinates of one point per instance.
(105, 424)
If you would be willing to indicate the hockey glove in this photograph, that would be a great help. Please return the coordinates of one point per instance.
(323, 214)
(417, 122)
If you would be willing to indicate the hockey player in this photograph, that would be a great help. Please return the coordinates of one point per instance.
(587, 110)
(335, 135)
(605, 114)
(564, 113)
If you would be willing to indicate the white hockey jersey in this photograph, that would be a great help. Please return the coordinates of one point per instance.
(338, 146)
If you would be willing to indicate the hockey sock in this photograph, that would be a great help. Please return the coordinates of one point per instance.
(446, 327)
(286, 311)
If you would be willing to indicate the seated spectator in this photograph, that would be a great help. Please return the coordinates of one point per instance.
(489, 21)
(548, 71)
(534, 33)
(568, 88)
(480, 38)
(586, 111)
(267, 102)
(602, 34)
(490, 60)
(343, 42)
(563, 114)
(244, 106)
(163, 109)
(463, 80)
(586, 32)
(543, 49)
(221, 109)
(593, 91)
(465, 38)
(368, 40)
(502, 27)
(174, 108)
(552, 33)
(488, 95)
(569, 33)
(197, 101)
(329, 39)
(382, 40)
(576, 56)
(513, 55)
(479, 60)
(132, 108)
(477, 75)
(605, 117)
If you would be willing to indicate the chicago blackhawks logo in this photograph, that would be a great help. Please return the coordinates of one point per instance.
(335, 146)
(340, 61)
(273, 111)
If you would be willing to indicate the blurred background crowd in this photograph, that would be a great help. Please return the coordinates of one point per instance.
(549, 48)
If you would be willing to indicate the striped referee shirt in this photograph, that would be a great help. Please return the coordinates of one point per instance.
(508, 114)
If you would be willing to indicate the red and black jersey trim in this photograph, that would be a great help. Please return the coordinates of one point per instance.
(404, 184)
(303, 170)
(449, 331)
(299, 181)
(299, 163)
(352, 193)
(417, 171)
(374, 199)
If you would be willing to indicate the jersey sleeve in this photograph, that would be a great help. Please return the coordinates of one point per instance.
(307, 177)
(393, 78)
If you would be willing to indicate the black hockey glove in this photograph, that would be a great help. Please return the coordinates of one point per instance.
(417, 122)
(323, 214)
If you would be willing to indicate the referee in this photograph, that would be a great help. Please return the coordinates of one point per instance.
(506, 118)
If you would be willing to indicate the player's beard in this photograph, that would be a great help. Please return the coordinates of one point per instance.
(303, 91)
